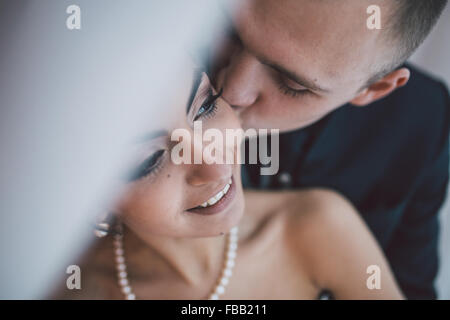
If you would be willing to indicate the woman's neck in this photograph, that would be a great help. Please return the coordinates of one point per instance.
(190, 260)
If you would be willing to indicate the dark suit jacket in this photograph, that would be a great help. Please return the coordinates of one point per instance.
(391, 160)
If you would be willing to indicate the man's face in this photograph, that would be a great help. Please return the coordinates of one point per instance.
(291, 62)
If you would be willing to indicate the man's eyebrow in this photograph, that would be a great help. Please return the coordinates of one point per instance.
(195, 85)
(301, 80)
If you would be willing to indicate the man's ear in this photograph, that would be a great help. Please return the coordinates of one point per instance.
(382, 87)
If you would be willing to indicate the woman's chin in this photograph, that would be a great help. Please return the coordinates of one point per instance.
(222, 225)
(222, 222)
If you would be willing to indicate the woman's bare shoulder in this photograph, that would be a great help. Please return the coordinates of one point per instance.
(322, 209)
(337, 245)
(268, 202)
(304, 204)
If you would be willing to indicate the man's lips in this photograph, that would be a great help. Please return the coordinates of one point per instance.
(217, 205)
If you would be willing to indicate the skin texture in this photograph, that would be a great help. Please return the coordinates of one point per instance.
(285, 252)
(292, 244)
(325, 42)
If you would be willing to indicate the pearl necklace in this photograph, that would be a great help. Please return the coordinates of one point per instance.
(218, 289)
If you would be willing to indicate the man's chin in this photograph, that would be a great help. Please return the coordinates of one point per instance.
(282, 128)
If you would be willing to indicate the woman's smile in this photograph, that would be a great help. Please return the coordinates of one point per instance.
(218, 202)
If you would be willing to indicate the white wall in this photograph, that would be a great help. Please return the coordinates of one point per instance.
(434, 56)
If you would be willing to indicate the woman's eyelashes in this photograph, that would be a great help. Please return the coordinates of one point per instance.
(150, 166)
(209, 106)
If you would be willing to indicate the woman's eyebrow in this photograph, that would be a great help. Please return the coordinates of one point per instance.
(195, 85)
(152, 135)
(160, 133)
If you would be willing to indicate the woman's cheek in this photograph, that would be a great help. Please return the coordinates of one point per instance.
(141, 200)
(225, 118)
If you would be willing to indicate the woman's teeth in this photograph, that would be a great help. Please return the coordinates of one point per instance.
(217, 197)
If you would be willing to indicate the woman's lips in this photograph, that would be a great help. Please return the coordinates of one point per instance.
(220, 205)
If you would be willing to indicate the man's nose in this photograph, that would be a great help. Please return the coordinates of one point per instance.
(240, 80)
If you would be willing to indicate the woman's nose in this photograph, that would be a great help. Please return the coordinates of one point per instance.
(208, 174)
(213, 169)
(240, 80)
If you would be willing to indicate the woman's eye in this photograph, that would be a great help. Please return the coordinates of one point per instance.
(209, 106)
(150, 165)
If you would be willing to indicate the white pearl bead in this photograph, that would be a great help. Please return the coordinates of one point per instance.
(120, 259)
(220, 289)
(131, 296)
(119, 251)
(227, 273)
(122, 274)
(224, 281)
(233, 246)
(126, 290)
(230, 264)
(121, 267)
(123, 282)
(231, 255)
(214, 297)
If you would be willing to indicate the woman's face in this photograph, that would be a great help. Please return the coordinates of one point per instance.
(168, 199)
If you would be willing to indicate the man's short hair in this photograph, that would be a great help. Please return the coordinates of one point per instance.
(412, 21)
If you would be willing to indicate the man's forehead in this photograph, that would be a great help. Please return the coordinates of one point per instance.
(323, 37)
